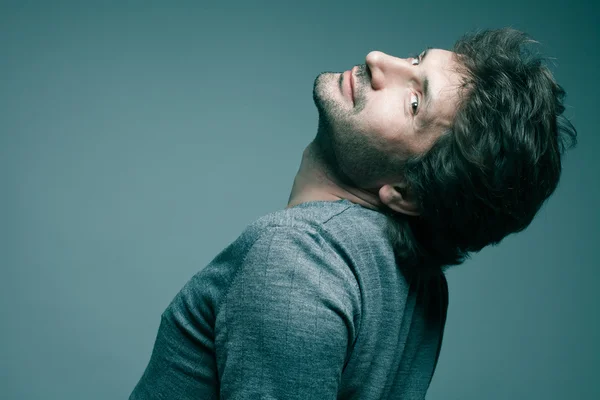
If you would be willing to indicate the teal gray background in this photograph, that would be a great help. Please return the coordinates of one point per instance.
(137, 141)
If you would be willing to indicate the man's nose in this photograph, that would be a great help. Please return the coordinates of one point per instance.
(387, 70)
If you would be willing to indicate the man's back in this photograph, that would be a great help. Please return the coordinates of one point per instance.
(308, 303)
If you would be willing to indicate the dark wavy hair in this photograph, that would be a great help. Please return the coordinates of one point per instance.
(487, 176)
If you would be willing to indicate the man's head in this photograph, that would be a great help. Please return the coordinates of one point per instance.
(477, 159)
(378, 115)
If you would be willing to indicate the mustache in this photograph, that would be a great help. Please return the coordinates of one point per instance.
(363, 73)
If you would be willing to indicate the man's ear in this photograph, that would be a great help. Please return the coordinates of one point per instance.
(399, 198)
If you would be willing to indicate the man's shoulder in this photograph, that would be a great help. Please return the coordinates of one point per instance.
(316, 215)
(304, 215)
(341, 226)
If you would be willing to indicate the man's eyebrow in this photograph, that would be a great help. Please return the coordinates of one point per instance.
(425, 80)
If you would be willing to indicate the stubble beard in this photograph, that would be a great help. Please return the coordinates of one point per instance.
(348, 153)
(330, 118)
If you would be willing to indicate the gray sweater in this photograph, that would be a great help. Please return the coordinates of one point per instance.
(308, 303)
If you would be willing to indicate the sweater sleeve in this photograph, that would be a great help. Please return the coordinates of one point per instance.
(288, 320)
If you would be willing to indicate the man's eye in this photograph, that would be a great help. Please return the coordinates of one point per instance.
(414, 103)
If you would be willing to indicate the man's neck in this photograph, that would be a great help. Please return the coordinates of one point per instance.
(315, 182)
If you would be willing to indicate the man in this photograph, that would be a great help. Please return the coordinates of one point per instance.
(416, 163)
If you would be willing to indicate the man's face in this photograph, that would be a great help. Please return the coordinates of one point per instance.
(376, 115)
